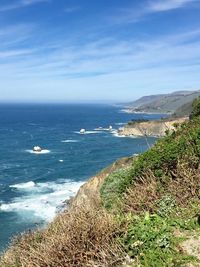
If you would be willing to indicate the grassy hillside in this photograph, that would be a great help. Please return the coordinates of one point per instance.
(145, 100)
(148, 214)
(166, 103)
(158, 199)
(184, 110)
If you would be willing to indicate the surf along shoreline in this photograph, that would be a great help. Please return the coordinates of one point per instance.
(91, 187)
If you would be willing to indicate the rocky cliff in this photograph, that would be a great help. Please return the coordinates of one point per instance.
(89, 193)
(150, 128)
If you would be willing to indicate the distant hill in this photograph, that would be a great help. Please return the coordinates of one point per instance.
(178, 102)
(184, 110)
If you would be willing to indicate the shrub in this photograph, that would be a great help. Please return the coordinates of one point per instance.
(162, 159)
(149, 239)
(114, 185)
(78, 238)
(166, 205)
(195, 108)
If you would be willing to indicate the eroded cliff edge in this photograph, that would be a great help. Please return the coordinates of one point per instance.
(89, 193)
(155, 128)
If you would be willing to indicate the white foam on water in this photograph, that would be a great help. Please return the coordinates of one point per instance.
(23, 185)
(41, 199)
(44, 151)
(88, 132)
(116, 134)
(101, 129)
(61, 160)
(70, 141)
(120, 123)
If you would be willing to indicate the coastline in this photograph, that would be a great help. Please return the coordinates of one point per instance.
(36, 199)
(152, 128)
(117, 203)
(132, 111)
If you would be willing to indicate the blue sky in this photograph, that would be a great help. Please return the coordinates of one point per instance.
(97, 50)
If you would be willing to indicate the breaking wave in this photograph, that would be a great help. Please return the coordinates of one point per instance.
(41, 200)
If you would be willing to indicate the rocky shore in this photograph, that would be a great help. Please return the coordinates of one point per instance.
(150, 128)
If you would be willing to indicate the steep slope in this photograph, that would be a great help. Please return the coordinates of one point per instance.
(159, 200)
(145, 100)
(184, 110)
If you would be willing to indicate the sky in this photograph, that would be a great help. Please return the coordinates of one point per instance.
(97, 50)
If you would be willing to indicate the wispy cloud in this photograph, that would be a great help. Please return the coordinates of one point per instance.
(12, 37)
(15, 53)
(135, 14)
(20, 4)
(72, 9)
(166, 5)
(103, 57)
(92, 64)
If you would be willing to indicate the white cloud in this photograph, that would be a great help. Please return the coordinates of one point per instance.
(72, 9)
(134, 14)
(15, 53)
(165, 5)
(20, 4)
(101, 68)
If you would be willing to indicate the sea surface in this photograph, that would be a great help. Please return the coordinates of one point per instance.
(34, 186)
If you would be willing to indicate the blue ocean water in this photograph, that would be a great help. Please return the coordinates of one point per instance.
(34, 186)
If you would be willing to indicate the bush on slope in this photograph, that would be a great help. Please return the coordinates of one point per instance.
(158, 200)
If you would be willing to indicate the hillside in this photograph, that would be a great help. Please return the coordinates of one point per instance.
(184, 110)
(142, 212)
(164, 103)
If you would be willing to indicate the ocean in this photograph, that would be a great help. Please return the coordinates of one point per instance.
(34, 186)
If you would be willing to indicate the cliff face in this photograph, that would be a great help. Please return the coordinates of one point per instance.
(150, 128)
(89, 193)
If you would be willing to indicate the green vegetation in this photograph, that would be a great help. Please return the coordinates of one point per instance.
(158, 198)
(116, 183)
(191, 109)
(196, 108)
(151, 242)
(184, 110)
(162, 159)
(147, 214)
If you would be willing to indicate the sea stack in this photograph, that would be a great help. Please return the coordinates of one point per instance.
(37, 149)
(82, 131)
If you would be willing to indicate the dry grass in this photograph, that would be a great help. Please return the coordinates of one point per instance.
(186, 184)
(145, 193)
(79, 238)
(142, 195)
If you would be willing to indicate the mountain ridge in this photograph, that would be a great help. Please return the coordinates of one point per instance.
(162, 103)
